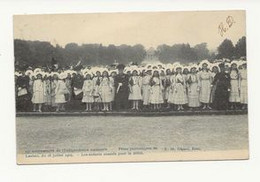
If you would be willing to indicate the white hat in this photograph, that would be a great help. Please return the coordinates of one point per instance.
(54, 73)
(193, 66)
(104, 69)
(148, 65)
(17, 73)
(29, 72)
(38, 73)
(36, 70)
(112, 71)
(153, 70)
(62, 76)
(87, 73)
(227, 64)
(214, 65)
(177, 66)
(204, 62)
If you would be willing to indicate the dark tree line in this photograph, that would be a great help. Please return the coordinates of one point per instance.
(39, 53)
(228, 50)
(183, 53)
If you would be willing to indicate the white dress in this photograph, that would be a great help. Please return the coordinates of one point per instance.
(205, 86)
(193, 91)
(146, 89)
(179, 94)
(234, 91)
(156, 91)
(60, 92)
(38, 92)
(87, 89)
(105, 89)
(243, 86)
(135, 88)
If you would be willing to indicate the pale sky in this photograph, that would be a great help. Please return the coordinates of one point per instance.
(149, 29)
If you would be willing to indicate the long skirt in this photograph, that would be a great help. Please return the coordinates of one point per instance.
(60, 98)
(156, 95)
(146, 94)
(106, 94)
(193, 95)
(243, 92)
(87, 98)
(167, 90)
(38, 97)
(97, 97)
(135, 93)
(48, 99)
(205, 91)
(234, 91)
(179, 94)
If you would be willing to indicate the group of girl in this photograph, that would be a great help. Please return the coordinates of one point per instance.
(151, 87)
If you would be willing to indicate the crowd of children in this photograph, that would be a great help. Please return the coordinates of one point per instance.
(220, 85)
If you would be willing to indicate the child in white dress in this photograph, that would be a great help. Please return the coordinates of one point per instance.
(97, 97)
(179, 96)
(135, 85)
(167, 86)
(243, 86)
(106, 90)
(193, 88)
(38, 92)
(234, 96)
(60, 91)
(146, 88)
(205, 78)
(156, 97)
(88, 89)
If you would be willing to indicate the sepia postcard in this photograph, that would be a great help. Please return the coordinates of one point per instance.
(131, 87)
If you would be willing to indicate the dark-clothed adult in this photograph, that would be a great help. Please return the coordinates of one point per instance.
(77, 94)
(222, 82)
(23, 94)
(121, 89)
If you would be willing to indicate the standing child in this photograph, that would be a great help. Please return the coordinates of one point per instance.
(146, 88)
(167, 86)
(243, 85)
(205, 84)
(38, 92)
(87, 89)
(135, 85)
(234, 96)
(193, 88)
(112, 80)
(105, 90)
(60, 92)
(156, 97)
(185, 74)
(214, 71)
(97, 98)
(179, 96)
(47, 91)
(163, 80)
(54, 83)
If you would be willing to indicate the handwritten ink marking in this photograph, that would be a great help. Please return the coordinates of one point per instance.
(224, 27)
(230, 21)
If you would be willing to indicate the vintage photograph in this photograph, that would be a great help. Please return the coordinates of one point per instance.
(131, 87)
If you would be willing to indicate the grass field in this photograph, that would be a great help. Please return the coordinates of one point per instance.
(221, 132)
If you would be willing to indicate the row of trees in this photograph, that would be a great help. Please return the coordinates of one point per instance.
(38, 53)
